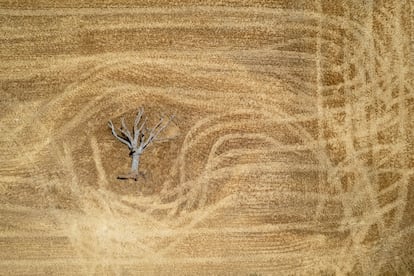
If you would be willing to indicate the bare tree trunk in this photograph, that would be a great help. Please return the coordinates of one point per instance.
(134, 173)
(135, 162)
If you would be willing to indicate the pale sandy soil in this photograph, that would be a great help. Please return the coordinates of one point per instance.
(295, 138)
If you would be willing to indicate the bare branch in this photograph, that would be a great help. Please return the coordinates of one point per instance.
(138, 119)
(126, 142)
(152, 134)
(141, 138)
(125, 130)
(165, 126)
(156, 131)
(139, 131)
(157, 125)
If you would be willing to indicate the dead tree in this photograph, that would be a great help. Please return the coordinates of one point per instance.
(139, 139)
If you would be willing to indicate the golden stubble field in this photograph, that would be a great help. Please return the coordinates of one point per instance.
(294, 154)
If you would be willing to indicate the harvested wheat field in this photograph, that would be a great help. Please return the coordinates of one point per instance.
(293, 149)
